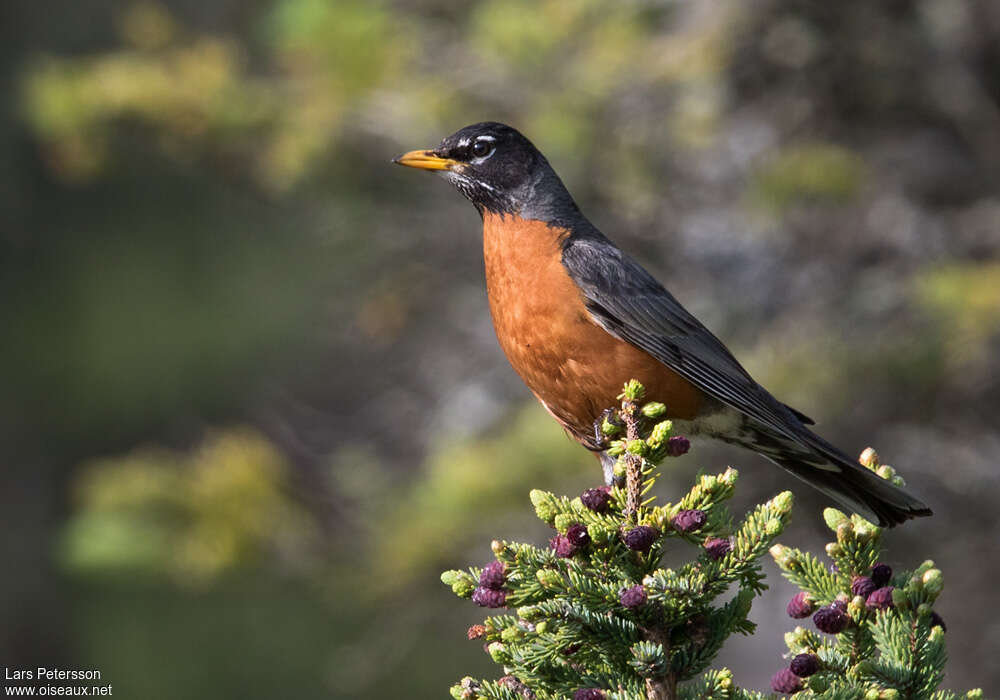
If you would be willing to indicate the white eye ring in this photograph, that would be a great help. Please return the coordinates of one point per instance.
(483, 148)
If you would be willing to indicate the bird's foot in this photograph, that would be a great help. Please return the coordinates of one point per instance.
(599, 437)
(608, 465)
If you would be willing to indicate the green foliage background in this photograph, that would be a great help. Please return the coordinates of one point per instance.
(251, 399)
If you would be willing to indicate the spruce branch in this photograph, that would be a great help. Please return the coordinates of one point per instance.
(881, 638)
(595, 615)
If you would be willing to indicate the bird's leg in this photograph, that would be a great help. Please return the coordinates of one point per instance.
(599, 435)
(608, 465)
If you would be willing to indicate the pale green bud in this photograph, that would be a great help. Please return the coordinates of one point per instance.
(659, 434)
(773, 527)
(461, 582)
(886, 472)
(563, 521)
(784, 557)
(833, 550)
(865, 531)
(544, 503)
(599, 534)
(975, 694)
(654, 409)
(924, 610)
(779, 553)
(637, 447)
(872, 694)
(511, 634)
(542, 627)
(856, 608)
(499, 653)
(933, 581)
(783, 502)
(528, 612)
(845, 532)
(633, 390)
(608, 428)
(889, 694)
(729, 476)
(900, 599)
(797, 639)
(869, 458)
(498, 548)
(463, 588)
(616, 448)
(833, 518)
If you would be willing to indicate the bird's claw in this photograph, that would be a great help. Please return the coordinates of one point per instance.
(599, 435)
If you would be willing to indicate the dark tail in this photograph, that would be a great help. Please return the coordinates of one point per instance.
(823, 466)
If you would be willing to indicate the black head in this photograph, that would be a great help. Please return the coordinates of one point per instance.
(498, 170)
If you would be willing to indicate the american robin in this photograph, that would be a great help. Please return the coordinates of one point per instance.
(577, 318)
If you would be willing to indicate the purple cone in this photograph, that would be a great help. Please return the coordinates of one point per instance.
(677, 446)
(831, 619)
(640, 538)
(517, 686)
(577, 535)
(493, 576)
(561, 545)
(589, 694)
(800, 606)
(881, 574)
(488, 598)
(880, 599)
(598, 500)
(633, 597)
(717, 548)
(784, 681)
(862, 586)
(804, 665)
(689, 520)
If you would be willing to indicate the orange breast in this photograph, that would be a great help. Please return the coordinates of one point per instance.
(574, 367)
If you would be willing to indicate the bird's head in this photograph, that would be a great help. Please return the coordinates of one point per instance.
(497, 169)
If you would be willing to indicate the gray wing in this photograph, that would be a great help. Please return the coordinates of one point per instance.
(631, 305)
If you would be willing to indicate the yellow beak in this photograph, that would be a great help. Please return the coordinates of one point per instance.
(425, 160)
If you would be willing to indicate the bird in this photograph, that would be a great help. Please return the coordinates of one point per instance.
(577, 317)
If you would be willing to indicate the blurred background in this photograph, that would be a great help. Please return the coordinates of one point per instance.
(252, 402)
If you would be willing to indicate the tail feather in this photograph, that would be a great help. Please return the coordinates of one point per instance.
(829, 470)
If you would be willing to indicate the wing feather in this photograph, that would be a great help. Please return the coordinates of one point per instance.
(630, 304)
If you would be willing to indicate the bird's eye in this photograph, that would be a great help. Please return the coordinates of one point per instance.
(483, 148)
